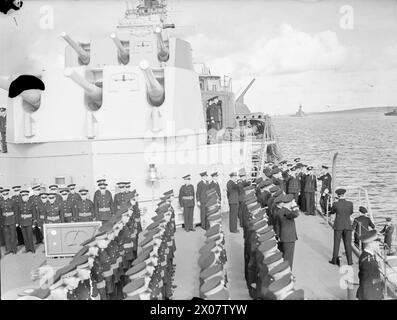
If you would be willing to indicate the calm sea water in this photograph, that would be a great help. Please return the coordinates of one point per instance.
(367, 146)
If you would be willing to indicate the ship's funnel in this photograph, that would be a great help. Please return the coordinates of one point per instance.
(154, 89)
(91, 90)
(124, 56)
(163, 52)
(31, 96)
(84, 56)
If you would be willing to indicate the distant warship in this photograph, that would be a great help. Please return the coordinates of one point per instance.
(391, 113)
(299, 113)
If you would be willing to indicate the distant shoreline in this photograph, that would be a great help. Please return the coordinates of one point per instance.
(356, 110)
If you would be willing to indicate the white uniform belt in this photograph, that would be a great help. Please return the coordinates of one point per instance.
(108, 273)
(53, 218)
(7, 214)
(164, 263)
(169, 243)
(104, 209)
(128, 245)
(101, 284)
(42, 217)
(85, 214)
(188, 197)
(26, 216)
(68, 214)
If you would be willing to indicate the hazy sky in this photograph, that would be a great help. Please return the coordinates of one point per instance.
(324, 54)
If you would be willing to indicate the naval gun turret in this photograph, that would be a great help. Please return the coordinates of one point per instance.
(123, 53)
(84, 55)
(163, 53)
(92, 91)
(155, 90)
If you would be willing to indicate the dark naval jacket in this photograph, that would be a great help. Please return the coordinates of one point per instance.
(232, 191)
(215, 185)
(103, 206)
(9, 212)
(25, 214)
(285, 225)
(201, 194)
(186, 196)
(325, 182)
(343, 210)
(364, 222)
(310, 183)
(369, 275)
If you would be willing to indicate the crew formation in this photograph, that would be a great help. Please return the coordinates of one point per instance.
(25, 212)
(109, 266)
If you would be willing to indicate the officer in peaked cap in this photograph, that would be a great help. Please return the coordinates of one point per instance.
(85, 207)
(103, 203)
(242, 183)
(73, 196)
(285, 227)
(67, 206)
(25, 220)
(342, 209)
(371, 285)
(214, 184)
(120, 196)
(54, 188)
(187, 201)
(233, 199)
(361, 225)
(201, 198)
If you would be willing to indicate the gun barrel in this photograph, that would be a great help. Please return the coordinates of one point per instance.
(154, 88)
(163, 52)
(123, 53)
(94, 92)
(83, 55)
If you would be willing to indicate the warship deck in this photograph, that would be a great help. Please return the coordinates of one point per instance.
(318, 278)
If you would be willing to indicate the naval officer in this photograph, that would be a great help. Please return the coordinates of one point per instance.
(186, 201)
(85, 207)
(232, 190)
(369, 275)
(361, 225)
(103, 203)
(25, 220)
(201, 197)
(8, 213)
(343, 209)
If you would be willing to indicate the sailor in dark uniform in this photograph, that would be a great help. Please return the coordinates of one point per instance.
(120, 197)
(285, 227)
(40, 216)
(310, 190)
(55, 190)
(343, 209)
(214, 184)
(8, 213)
(233, 197)
(53, 209)
(103, 203)
(369, 275)
(302, 197)
(293, 184)
(25, 220)
(361, 225)
(242, 183)
(73, 196)
(388, 231)
(186, 201)
(3, 126)
(85, 207)
(201, 197)
(326, 189)
(68, 207)
(18, 199)
(98, 191)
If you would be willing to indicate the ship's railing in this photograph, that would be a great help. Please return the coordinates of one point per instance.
(359, 196)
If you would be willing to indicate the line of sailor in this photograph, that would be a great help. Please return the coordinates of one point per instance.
(109, 266)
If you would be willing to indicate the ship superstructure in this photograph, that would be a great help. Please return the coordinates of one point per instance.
(126, 105)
